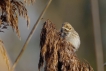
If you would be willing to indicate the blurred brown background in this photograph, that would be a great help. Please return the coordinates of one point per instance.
(76, 12)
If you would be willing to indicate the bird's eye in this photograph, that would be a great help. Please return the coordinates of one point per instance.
(66, 30)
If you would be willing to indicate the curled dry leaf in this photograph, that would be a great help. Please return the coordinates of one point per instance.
(4, 54)
(11, 9)
(57, 53)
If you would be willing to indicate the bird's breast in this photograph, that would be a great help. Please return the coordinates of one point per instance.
(74, 40)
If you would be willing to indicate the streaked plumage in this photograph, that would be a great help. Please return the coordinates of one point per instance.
(69, 34)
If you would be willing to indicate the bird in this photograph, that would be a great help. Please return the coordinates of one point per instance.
(69, 34)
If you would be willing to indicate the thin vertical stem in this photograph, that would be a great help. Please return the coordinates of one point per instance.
(97, 35)
(30, 35)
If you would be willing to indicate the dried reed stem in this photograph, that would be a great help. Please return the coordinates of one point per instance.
(97, 35)
(4, 54)
(30, 35)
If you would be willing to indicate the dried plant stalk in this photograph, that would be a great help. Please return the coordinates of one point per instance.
(57, 53)
(30, 35)
(11, 9)
(4, 54)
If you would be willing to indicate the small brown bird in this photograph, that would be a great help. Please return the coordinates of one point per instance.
(69, 34)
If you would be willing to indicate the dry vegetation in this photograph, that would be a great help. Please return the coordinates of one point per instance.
(10, 11)
(58, 54)
(4, 54)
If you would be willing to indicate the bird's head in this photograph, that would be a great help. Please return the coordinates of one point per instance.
(66, 29)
